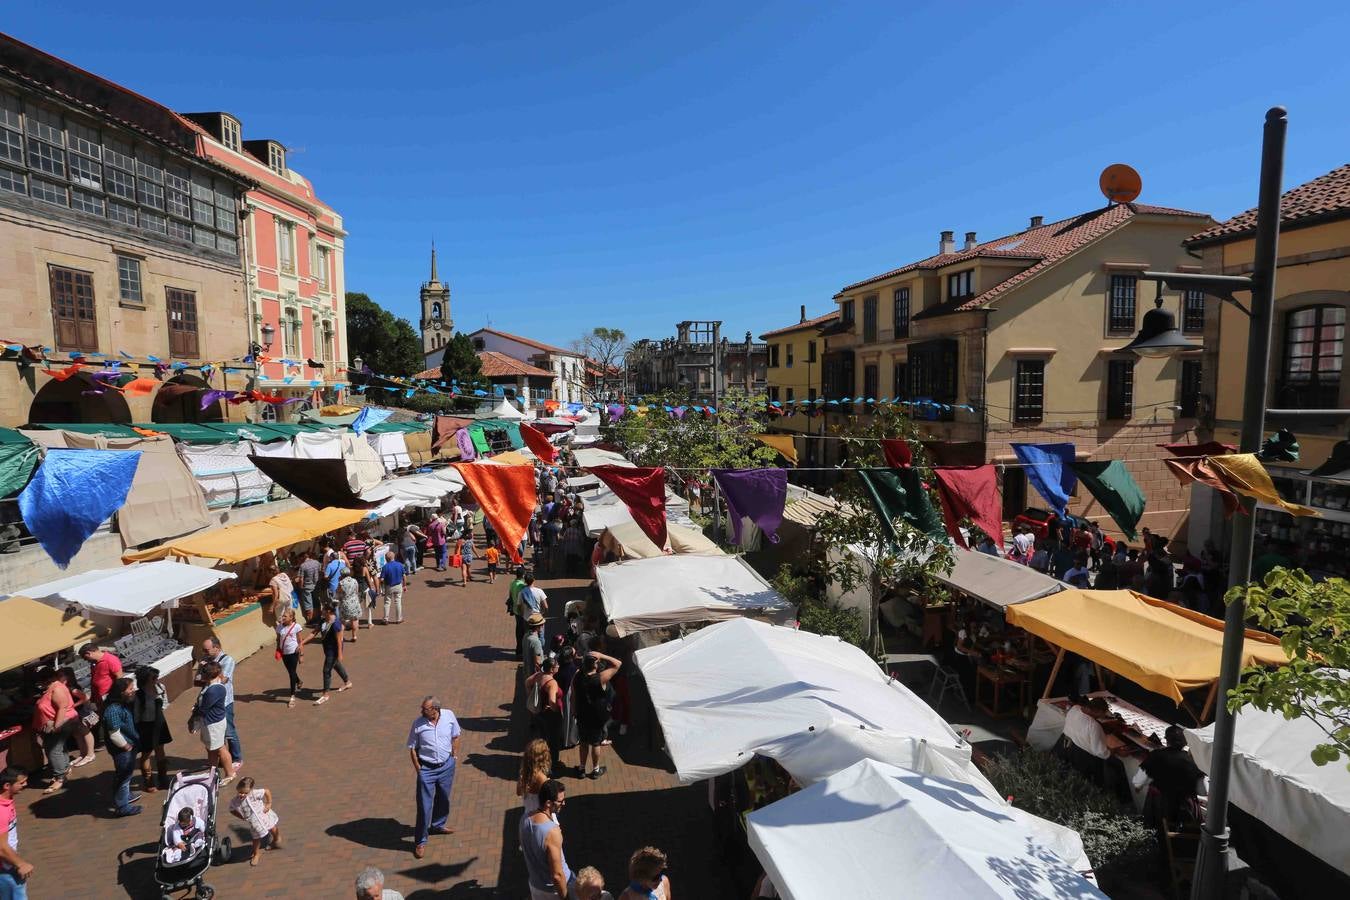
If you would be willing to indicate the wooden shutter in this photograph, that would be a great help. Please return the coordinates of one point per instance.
(75, 323)
(182, 311)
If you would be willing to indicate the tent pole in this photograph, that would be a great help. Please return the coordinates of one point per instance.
(1209, 702)
(1054, 672)
(1101, 679)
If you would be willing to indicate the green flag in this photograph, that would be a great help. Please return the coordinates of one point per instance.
(1114, 488)
(898, 494)
(17, 462)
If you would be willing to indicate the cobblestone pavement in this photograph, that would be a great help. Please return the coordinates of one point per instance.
(343, 786)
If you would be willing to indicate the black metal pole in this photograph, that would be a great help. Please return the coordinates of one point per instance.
(1211, 864)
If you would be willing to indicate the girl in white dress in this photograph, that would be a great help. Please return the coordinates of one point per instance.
(254, 806)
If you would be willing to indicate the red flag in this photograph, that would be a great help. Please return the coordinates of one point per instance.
(643, 491)
(1208, 448)
(539, 444)
(506, 495)
(970, 492)
(63, 374)
(897, 453)
(1199, 469)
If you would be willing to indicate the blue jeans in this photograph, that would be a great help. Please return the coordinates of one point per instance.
(232, 735)
(433, 798)
(410, 555)
(306, 600)
(11, 888)
(442, 555)
(124, 766)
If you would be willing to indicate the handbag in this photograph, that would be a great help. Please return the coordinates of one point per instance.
(457, 558)
(89, 717)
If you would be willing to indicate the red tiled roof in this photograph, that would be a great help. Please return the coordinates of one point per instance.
(1044, 246)
(529, 342)
(499, 365)
(809, 323)
(1320, 200)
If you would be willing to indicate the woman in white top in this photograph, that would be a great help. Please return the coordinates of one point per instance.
(291, 640)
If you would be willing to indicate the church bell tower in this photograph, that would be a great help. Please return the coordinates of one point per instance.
(437, 326)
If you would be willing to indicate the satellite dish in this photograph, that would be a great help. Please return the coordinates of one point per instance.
(1120, 183)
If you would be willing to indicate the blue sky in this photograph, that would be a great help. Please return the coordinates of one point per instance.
(634, 164)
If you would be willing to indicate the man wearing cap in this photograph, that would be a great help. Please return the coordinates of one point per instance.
(433, 746)
(532, 648)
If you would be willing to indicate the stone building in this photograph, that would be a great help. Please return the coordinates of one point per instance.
(686, 363)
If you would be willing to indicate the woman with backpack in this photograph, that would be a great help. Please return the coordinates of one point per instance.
(543, 699)
(593, 696)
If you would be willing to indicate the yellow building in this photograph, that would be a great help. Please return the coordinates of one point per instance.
(1019, 339)
(1312, 294)
(794, 369)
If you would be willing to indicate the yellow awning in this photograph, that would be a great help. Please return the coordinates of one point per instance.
(339, 409)
(785, 444)
(512, 458)
(237, 543)
(1163, 647)
(33, 630)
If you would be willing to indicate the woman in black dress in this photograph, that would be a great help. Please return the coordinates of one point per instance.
(148, 708)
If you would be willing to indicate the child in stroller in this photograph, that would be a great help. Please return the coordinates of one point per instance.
(185, 838)
(188, 841)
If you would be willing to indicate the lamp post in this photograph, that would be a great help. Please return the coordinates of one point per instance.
(1158, 337)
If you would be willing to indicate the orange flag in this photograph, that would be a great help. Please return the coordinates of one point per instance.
(506, 494)
(139, 386)
(538, 443)
(63, 374)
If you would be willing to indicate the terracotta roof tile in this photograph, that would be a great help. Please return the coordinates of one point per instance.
(499, 365)
(1319, 200)
(529, 342)
(817, 322)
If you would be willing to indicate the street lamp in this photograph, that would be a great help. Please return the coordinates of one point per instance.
(1158, 337)
(268, 333)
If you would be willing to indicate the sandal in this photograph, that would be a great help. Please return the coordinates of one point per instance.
(226, 781)
(81, 761)
(253, 861)
(55, 786)
(346, 687)
(323, 698)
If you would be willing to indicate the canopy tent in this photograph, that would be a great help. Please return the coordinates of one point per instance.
(224, 472)
(506, 410)
(937, 837)
(128, 591)
(591, 456)
(391, 447)
(995, 580)
(640, 594)
(1160, 646)
(190, 432)
(318, 482)
(413, 490)
(510, 458)
(33, 630)
(237, 543)
(1276, 782)
(627, 541)
(604, 510)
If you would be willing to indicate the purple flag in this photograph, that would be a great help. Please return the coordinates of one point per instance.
(755, 494)
(466, 450)
(213, 396)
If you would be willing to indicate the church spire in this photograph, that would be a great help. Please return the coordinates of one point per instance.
(434, 279)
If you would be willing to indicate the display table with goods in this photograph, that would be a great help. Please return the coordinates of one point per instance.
(238, 618)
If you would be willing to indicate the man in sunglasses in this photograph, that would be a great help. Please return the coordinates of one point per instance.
(541, 840)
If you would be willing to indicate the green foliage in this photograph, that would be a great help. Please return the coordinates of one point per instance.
(461, 363)
(1313, 622)
(814, 613)
(694, 444)
(385, 342)
(1117, 844)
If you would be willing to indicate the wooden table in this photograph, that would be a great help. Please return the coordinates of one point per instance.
(998, 678)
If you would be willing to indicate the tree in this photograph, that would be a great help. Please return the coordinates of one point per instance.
(693, 444)
(855, 550)
(605, 347)
(461, 364)
(384, 342)
(1312, 619)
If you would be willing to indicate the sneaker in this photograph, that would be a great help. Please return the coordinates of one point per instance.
(136, 795)
(597, 772)
(237, 766)
(129, 811)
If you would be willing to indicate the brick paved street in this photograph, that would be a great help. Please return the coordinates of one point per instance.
(343, 786)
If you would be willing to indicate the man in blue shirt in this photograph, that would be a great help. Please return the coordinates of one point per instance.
(392, 575)
(332, 573)
(433, 746)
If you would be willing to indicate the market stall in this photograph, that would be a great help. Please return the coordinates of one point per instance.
(666, 591)
(627, 541)
(870, 827)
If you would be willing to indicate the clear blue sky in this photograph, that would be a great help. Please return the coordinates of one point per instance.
(633, 164)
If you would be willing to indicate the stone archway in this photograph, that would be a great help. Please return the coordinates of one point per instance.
(180, 400)
(77, 399)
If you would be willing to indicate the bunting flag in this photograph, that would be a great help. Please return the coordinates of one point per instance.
(643, 491)
(539, 445)
(72, 493)
(1244, 473)
(140, 387)
(899, 494)
(506, 496)
(1208, 448)
(369, 417)
(1111, 484)
(970, 492)
(211, 397)
(1049, 470)
(755, 494)
(897, 453)
(467, 450)
(785, 444)
(63, 374)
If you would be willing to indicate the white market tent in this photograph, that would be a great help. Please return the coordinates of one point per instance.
(997, 581)
(600, 514)
(1275, 781)
(877, 830)
(640, 594)
(128, 590)
(586, 457)
(506, 410)
(629, 542)
(413, 490)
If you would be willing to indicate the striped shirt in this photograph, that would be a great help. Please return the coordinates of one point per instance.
(355, 549)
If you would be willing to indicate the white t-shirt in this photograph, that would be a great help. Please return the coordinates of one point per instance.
(290, 637)
(1024, 542)
(175, 833)
(1085, 733)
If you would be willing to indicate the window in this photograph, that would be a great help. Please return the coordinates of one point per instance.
(129, 278)
(182, 307)
(870, 382)
(1029, 392)
(900, 380)
(773, 394)
(870, 319)
(285, 246)
(122, 212)
(46, 190)
(1189, 388)
(790, 348)
(45, 157)
(177, 192)
(791, 395)
(902, 312)
(276, 158)
(933, 373)
(1314, 342)
(1119, 388)
(1193, 312)
(811, 394)
(229, 133)
(961, 285)
(846, 312)
(75, 325)
(321, 258)
(86, 202)
(810, 351)
(773, 356)
(290, 332)
(1120, 315)
(180, 230)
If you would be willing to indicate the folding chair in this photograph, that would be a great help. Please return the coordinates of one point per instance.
(946, 679)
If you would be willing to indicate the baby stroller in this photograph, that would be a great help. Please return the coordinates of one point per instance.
(175, 871)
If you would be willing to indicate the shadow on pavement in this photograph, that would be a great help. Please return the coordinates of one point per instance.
(498, 765)
(378, 834)
(482, 653)
(485, 723)
(431, 873)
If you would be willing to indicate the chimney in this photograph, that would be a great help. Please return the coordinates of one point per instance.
(803, 312)
(970, 241)
(1037, 221)
(946, 244)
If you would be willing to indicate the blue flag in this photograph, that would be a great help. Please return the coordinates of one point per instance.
(369, 417)
(1049, 469)
(72, 494)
